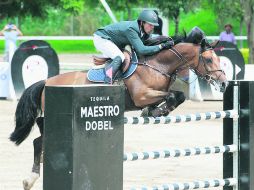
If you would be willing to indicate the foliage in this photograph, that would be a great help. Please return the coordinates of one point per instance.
(172, 9)
(38, 8)
(248, 10)
(126, 6)
(27, 7)
(225, 10)
(73, 6)
(83, 24)
(245, 53)
(205, 19)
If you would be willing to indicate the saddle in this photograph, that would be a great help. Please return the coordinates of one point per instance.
(100, 61)
(97, 73)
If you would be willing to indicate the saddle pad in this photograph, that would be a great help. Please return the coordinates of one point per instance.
(98, 75)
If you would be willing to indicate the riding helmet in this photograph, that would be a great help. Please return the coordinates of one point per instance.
(149, 16)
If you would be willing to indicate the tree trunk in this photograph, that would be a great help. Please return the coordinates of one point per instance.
(176, 19)
(241, 32)
(129, 13)
(251, 40)
(249, 19)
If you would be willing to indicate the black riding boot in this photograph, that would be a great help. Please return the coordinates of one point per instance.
(115, 66)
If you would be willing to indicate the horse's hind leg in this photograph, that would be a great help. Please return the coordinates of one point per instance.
(172, 101)
(29, 182)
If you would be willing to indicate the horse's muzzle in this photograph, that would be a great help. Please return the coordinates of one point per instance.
(223, 86)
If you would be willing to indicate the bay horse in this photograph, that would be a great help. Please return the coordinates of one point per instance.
(148, 85)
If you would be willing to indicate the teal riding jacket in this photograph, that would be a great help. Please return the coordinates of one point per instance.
(127, 33)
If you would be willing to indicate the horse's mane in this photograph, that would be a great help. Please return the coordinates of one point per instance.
(194, 36)
(179, 38)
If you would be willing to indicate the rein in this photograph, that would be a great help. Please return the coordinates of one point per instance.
(154, 68)
(171, 75)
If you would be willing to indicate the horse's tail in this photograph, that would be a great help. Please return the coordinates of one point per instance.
(27, 110)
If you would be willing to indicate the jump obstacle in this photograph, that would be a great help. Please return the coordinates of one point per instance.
(91, 120)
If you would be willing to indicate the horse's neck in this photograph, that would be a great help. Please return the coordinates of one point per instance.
(182, 55)
(188, 53)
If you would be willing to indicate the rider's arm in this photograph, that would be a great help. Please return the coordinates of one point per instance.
(138, 45)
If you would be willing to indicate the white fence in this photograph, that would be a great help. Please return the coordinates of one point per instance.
(240, 38)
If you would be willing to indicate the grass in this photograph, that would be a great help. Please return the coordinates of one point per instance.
(66, 46)
(75, 46)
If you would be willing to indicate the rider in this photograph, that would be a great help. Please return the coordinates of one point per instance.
(112, 38)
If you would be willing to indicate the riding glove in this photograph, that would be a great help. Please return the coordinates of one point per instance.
(167, 45)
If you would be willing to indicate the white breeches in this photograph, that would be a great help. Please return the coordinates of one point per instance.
(107, 48)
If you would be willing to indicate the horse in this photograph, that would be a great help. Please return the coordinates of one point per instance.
(149, 85)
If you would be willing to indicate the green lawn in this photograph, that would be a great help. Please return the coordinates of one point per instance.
(66, 46)
(69, 46)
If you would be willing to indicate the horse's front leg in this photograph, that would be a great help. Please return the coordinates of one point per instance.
(148, 97)
(172, 101)
(29, 182)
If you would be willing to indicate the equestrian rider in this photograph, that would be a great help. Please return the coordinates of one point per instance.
(111, 39)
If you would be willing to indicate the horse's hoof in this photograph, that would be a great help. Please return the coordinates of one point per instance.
(29, 182)
(145, 112)
(26, 185)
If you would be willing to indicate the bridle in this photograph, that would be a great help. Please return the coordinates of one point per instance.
(208, 75)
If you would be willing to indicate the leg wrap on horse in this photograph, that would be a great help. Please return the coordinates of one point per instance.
(172, 101)
(180, 98)
(166, 107)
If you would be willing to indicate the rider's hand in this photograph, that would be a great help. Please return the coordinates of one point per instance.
(167, 45)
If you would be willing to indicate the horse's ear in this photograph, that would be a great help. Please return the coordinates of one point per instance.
(215, 43)
(203, 43)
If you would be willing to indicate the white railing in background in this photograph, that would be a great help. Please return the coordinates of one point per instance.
(91, 37)
(53, 38)
(236, 37)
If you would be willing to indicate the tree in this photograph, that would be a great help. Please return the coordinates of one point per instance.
(125, 5)
(248, 12)
(38, 8)
(225, 9)
(173, 8)
(241, 10)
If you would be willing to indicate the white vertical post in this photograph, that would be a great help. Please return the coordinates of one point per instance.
(106, 6)
(165, 25)
(236, 134)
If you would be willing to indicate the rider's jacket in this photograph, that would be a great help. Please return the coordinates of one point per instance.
(127, 33)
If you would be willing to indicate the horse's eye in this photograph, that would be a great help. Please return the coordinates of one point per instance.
(209, 60)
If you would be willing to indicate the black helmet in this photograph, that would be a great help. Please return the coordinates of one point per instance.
(149, 16)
